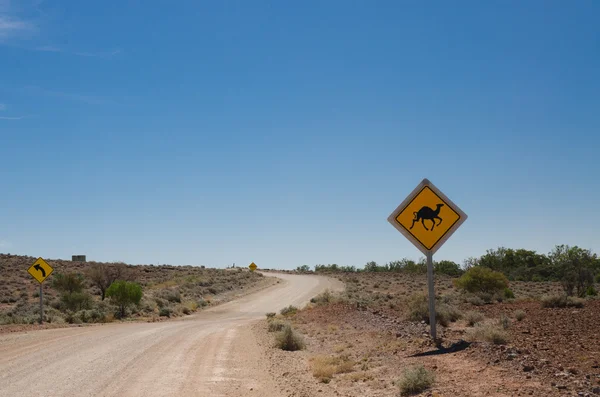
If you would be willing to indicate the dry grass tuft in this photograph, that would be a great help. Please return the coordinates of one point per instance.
(324, 367)
(488, 332)
(415, 380)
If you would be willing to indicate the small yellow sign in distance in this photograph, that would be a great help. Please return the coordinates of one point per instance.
(40, 270)
(427, 217)
(252, 266)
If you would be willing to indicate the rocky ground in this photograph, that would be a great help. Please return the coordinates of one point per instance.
(549, 352)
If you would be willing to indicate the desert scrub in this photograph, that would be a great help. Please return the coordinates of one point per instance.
(519, 315)
(276, 325)
(270, 315)
(324, 367)
(560, 301)
(289, 340)
(473, 318)
(481, 279)
(289, 311)
(488, 332)
(415, 380)
(418, 306)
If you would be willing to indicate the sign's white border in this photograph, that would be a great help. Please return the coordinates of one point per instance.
(392, 218)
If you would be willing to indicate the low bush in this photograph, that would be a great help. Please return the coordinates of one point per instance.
(289, 340)
(276, 325)
(598, 278)
(165, 312)
(419, 310)
(481, 279)
(271, 315)
(415, 380)
(591, 291)
(519, 315)
(473, 318)
(324, 367)
(504, 322)
(324, 298)
(488, 332)
(289, 311)
(474, 300)
(561, 301)
(508, 294)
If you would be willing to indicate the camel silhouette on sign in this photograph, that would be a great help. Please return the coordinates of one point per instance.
(428, 213)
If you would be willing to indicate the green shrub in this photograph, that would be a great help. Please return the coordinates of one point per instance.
(76, 301)
(276, 325)
(186, 310)
(123, 294)
(289, 340)
(519, 315)
(508, 294)
(481, 279)
(271, 315)
(415, 380)
(473, 318)
(591, 291)
(598, 278)
(289, 311)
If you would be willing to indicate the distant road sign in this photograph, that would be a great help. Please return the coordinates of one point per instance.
(427, 218)
(252, 266)
(40, 270)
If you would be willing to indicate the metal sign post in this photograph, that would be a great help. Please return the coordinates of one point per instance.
(41, 304)
(40, 270)
(427, 218)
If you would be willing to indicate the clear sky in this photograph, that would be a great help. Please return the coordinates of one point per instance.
(285, 133)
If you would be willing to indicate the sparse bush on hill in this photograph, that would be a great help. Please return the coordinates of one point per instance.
(323, 298)
(276, 325)
(289, 311)
(591, 291)
(123, 294)
(488, 332)
(473, 318)
(598, 278)
(480, 279)
(415, 380)
(418, 307)
(71, 286)
(520, 315)
(561, 301)
(289, 340)
(324, 367)
(508, 294)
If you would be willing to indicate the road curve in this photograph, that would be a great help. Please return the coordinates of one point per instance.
(209, 354)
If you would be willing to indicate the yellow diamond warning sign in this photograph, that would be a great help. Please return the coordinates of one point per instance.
(252, 266)
(427, 217)
(40, 270)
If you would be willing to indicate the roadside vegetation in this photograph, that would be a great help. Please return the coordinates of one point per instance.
(92, 292)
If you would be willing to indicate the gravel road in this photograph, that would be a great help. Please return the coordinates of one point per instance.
(211, 354)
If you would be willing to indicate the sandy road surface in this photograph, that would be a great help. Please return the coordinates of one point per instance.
(209, 354)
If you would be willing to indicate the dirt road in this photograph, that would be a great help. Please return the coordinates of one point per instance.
(209, 354)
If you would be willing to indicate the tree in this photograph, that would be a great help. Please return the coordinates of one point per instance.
(124, 293)
(482, 279)
(574, 266)
(71, 285)
(447, 267)
(102, 275)
(303, 269)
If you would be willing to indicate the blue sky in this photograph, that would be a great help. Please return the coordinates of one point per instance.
(285, 134)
